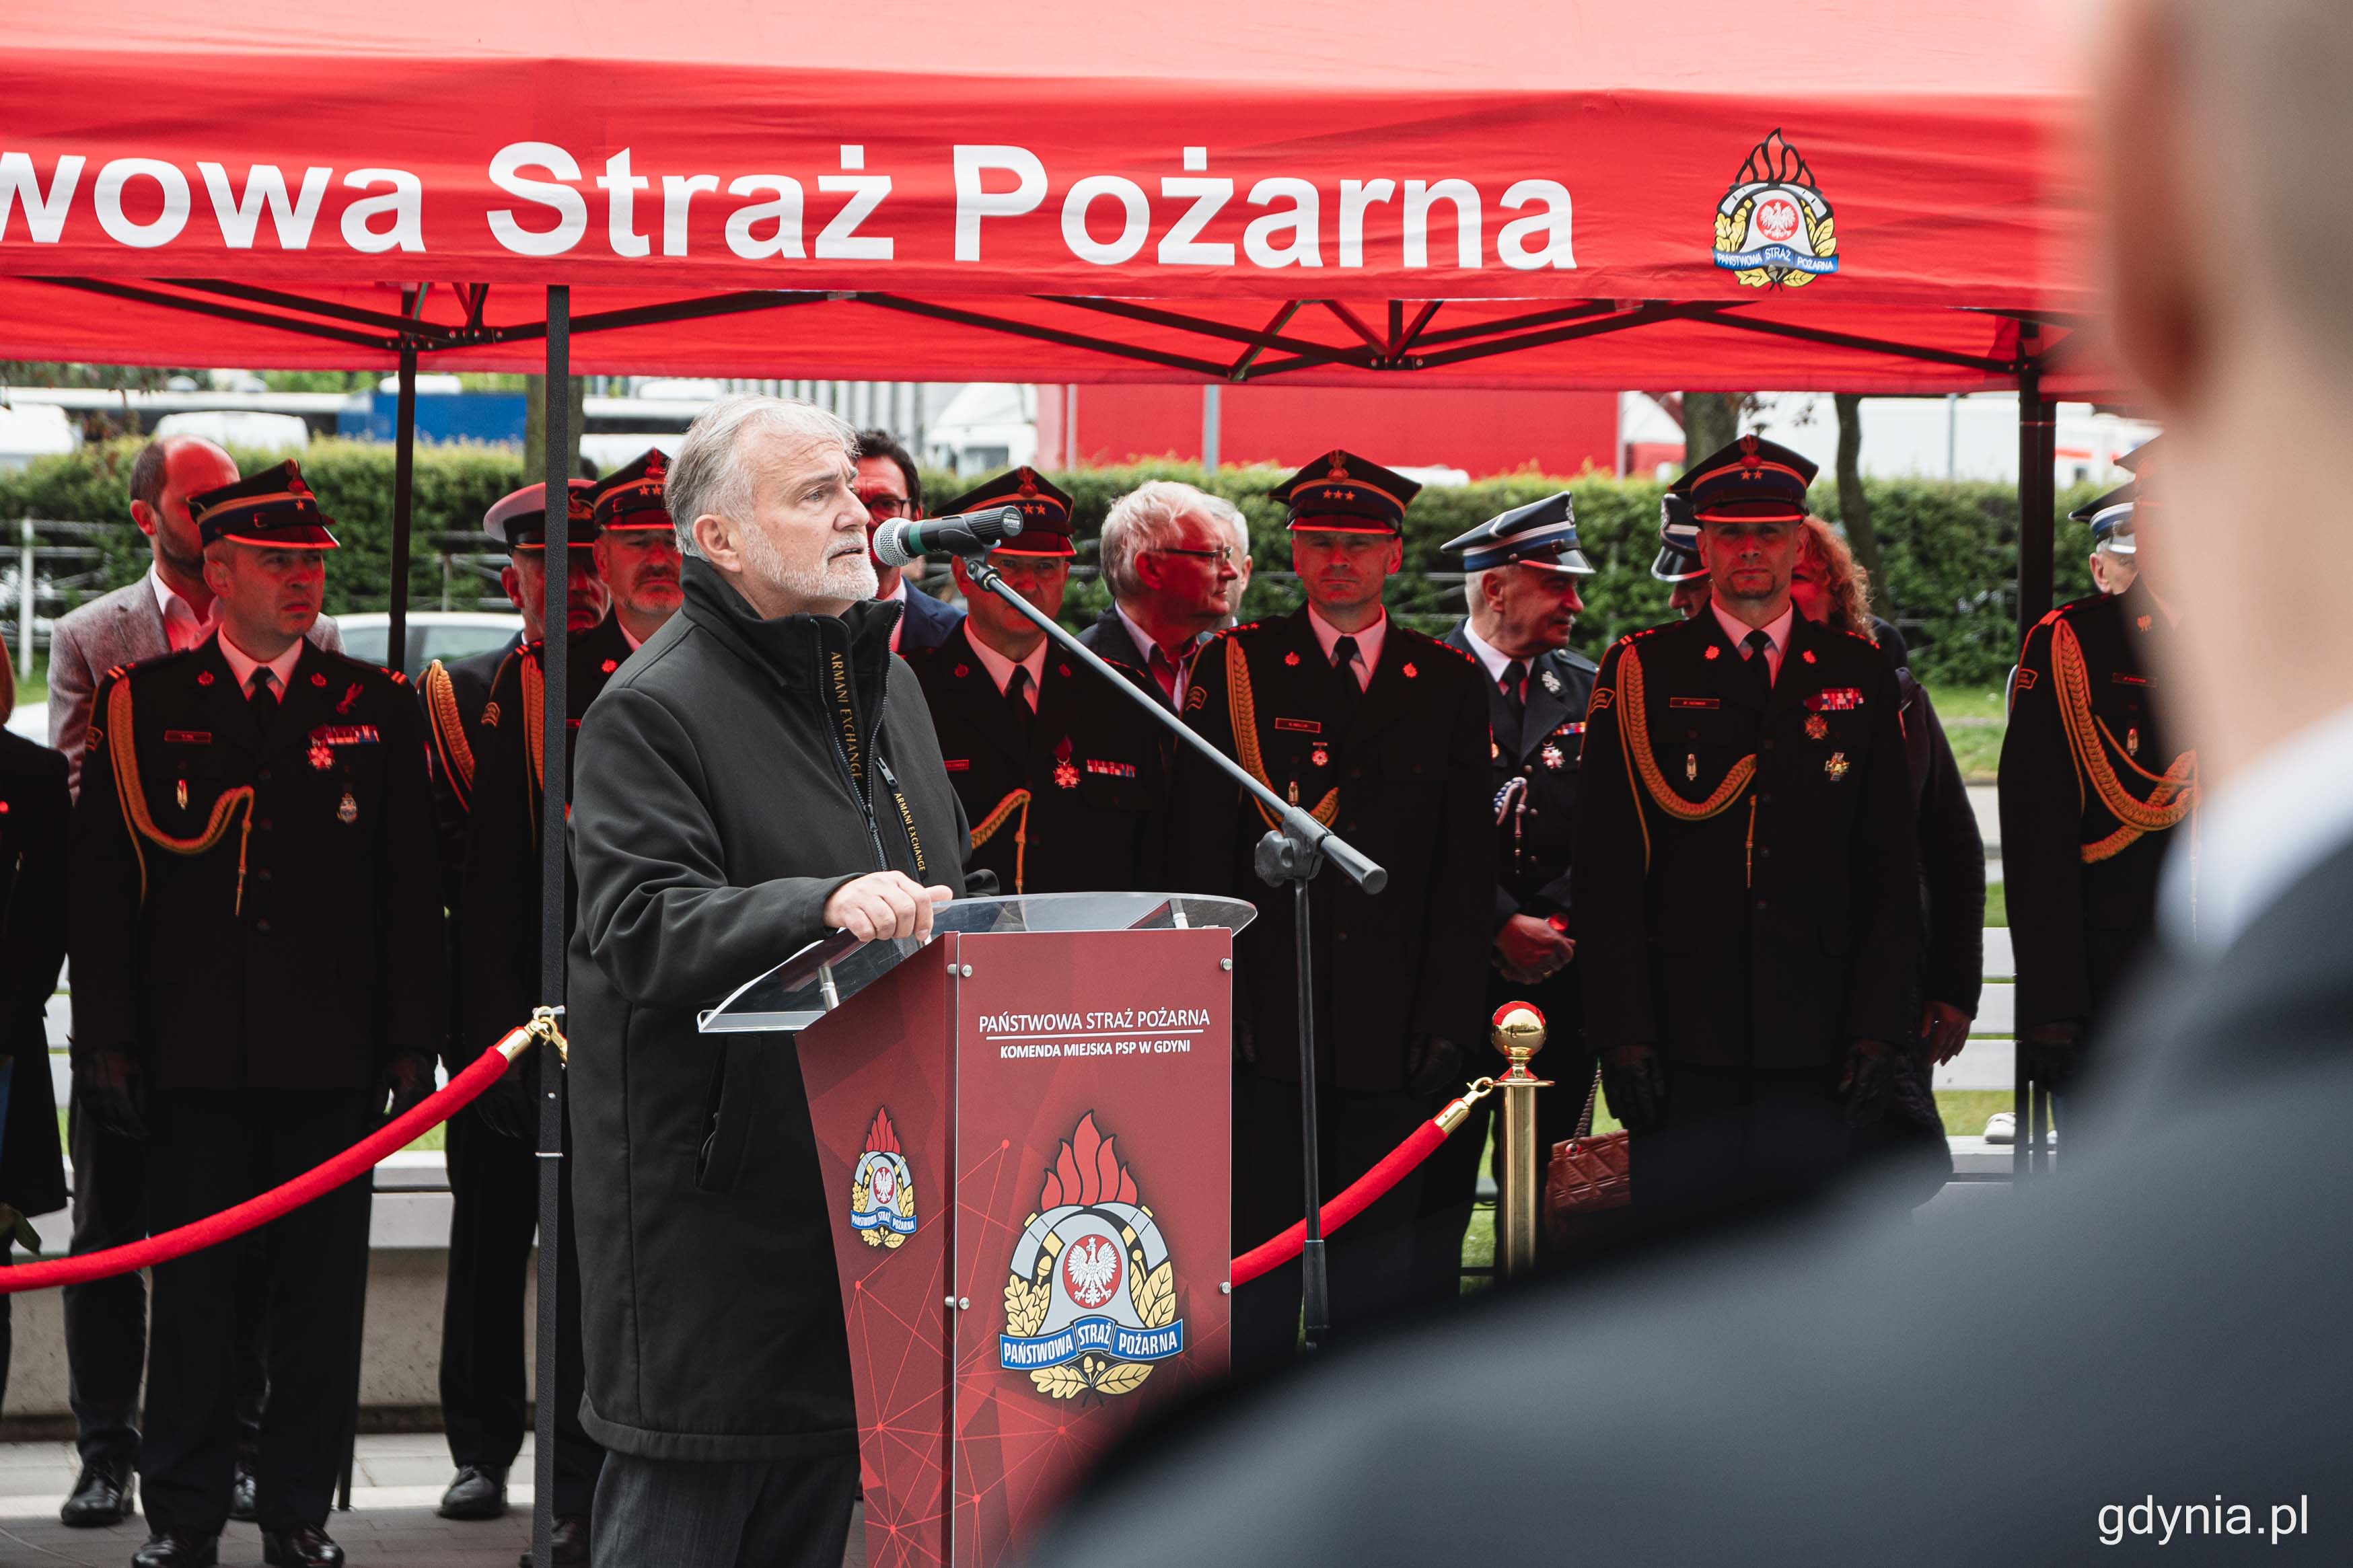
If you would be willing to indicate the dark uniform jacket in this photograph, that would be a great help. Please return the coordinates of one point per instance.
(1952, 857)
(1074, 799)
(716, 812)
(34, 809)
(1400, 772)
(498, 902)
(1112, 643)
(1782, 926)
(928, 621)
(256, 908)
(1531, 771)
(454, 697)
(2086, 739)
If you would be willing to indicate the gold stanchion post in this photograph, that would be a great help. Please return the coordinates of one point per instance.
(1519, 1033)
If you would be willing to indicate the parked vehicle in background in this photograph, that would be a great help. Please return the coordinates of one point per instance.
(445, 635)
(243, 428)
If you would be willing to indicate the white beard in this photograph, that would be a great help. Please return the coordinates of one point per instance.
(845, 576)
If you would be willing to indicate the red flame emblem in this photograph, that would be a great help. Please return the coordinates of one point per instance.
(883, 1138)
(1087, 1172)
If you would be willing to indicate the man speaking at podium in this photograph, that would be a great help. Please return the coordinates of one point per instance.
(763, 771)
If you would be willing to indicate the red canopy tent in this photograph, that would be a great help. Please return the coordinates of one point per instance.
(1859, 196)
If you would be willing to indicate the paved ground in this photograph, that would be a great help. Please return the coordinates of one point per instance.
(392, 1524)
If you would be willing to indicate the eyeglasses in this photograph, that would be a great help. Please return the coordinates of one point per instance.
(1223, 554)
(886, 506)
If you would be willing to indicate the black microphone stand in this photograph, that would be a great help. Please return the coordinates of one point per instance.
(1291, 854)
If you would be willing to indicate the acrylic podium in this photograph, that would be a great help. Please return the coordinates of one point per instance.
(1024, 1127)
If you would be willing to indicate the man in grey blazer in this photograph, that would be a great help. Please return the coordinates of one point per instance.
(106, 1321)
(2145, 1350)
(164, 611)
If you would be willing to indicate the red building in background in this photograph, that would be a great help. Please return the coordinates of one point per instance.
(1481, 432)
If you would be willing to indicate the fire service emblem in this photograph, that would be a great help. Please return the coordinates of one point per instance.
(1774, 227)
(1091, 1305)
(882, 1189)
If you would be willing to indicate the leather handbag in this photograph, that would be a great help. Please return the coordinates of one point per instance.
(1588, 1178)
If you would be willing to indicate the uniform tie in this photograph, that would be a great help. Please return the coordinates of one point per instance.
(1760, 646)
(1016, 693)
(1345, 658)
(1516, 684)
(261, 699)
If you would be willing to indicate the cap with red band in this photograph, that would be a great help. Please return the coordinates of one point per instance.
(274, 509)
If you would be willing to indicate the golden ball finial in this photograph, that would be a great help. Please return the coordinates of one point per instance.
(1518, 1032)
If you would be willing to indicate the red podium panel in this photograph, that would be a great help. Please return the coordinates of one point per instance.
(1031, 1134)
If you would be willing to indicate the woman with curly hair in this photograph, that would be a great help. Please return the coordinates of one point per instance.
(1829, 586)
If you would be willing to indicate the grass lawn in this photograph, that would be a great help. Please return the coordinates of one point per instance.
(1974, 718)
(1997, 904)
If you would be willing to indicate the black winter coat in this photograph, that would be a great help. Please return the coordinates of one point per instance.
(718, 806)
(1784, 926)
(34, 807)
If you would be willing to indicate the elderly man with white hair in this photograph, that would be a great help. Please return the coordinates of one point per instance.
(1172, 569)
(762, 771)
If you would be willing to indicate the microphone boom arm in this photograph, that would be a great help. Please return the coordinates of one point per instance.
(1309, 842)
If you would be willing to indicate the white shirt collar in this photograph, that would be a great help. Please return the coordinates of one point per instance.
(1777, 630)
(192, 628)
(242, 664)
(1141, 639)
(897, 595)
(1000, 668)
(1368, 641)
(635, 641)
(1494, 658)
(2255, 835)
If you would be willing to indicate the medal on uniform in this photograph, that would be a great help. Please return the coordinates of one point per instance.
(183, 795)
(1817, 727)
(1494, 751)
(2131, 742)
(1551, 682)
(349, 810)
(1066, 775)
(1319, 756)
(323, 755)
(1835, 769)
(1691, 767)
(1554, 757)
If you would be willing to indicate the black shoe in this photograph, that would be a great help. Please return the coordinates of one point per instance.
(240, 1492)
(169, 1549)
(568, 1541)
(100, 1498)
(479, 1492)
(305, 1546)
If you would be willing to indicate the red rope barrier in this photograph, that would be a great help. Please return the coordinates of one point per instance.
(1360, 1196)
(214, 1229)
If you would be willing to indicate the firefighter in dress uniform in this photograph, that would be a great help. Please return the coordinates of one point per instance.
(1523, 569)
(499, 910)
(1061, 777)
(493, 1178)
(2094, 784)
(1380, 733)
(1747, 896)
(255, 827)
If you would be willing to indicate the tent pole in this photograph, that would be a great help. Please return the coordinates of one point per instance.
(2035, 543)
(555, 774)
(1211, 427)
(404, 476)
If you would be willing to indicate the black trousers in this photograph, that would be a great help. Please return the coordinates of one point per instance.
(485, 1397)
(1450, 1177)
(106, 1320)
(1734, 1143)
(752, 1513)
(1369, 1262)
(205, 1152)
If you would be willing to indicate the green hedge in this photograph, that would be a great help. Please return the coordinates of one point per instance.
(1951, 549)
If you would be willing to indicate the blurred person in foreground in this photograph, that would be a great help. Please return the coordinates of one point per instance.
(2155, 1324)
(762, 771)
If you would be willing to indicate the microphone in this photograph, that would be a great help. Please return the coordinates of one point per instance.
(897, 543)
